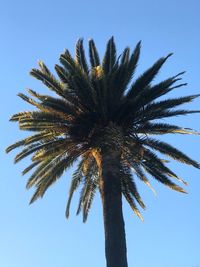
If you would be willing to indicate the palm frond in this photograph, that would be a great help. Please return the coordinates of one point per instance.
(44, 68)
(109, 59)
(51, 176)
(169, 103)
(150, 93)
(162, 178)
(94, 56)
(146, 78)
(132, 64)
(59, 106)
(49, 80)
(43, 168)
(162, 128)
(30, 167)
(125, 56)
(62, 74)
(77, 177)
(80, 84)
(122, 75)
(171, 151)
(90, 185)
(128, 183)
(89, 197)
(135, 106)
(142, 118)
(136, 168)
(80, 56)
(28, 140)
(131, 202)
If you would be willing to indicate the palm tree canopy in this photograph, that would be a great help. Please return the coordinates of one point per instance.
(97, 106)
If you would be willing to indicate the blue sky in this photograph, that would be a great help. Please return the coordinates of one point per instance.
(39, 235)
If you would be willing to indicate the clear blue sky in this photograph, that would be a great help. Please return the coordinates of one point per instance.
(39, 235)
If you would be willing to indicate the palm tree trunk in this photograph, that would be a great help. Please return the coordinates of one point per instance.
(110, 189)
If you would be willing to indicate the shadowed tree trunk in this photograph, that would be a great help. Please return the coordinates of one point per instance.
(115, 241)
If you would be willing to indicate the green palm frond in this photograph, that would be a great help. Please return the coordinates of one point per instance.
(89, 196)
(37, 147)
(129, 184)
(51, 176)
(43, 167)
(109, 57)
(49, 80)
(146, 78)
(125, 56)
(90, 185)
(77, 177)
(163, 128)
(79, 84)
(151, 157)
(142, 118)
(129, 198)
(44, 68)
(137, 105)
(151, 93)
(94, 56)
(63, 75)
(59, 106)
(80, 56)
(43, 136)
(171, 151)
(167, 104)
(121, 75)
(30, 167)
(162, 178)
(131, 65)
(138, 171)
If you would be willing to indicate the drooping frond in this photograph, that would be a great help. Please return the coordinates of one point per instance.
(77, 177)
(30, 167)
(34, 138)
(130, 192)
(138, 171)
(43, 168)
(56, 105)
(51, 176)
(162, 178)
(90, 185)
(163, 128)
(171, 151)
(37, 147)
(128, 182)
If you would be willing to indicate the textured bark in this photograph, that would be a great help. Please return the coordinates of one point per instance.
(115, 240)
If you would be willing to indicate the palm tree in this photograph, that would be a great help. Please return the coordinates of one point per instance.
(104, 122)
